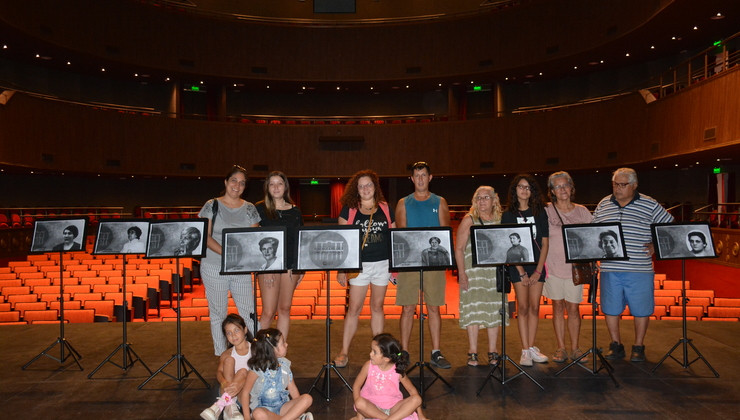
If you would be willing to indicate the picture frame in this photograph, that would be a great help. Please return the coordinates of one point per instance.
(426, 249)
(59, 235)
(594, 242)
(121, 236)
(254, 250)
(335, 247)
(177, 238)
(502, 244)
(684, 241)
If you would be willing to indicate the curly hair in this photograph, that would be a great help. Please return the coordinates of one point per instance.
(536, 199)
(269, 201)
(391, 348)
(351, 196)
(263, 353)
(495, 203)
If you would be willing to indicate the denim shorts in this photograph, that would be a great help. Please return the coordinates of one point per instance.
(633, 288)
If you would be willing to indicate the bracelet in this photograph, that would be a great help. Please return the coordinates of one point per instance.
(521, 276)
(538, 272)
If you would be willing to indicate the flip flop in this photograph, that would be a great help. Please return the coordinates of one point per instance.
(341, 361)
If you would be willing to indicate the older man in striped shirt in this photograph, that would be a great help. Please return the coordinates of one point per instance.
(629, 281)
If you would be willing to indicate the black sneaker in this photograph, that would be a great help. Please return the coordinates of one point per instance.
(638, 354)
(616, 351)
(439, 361)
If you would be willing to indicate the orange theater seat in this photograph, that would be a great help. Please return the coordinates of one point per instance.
(79, 315)
(68, 304)
(22, 307)
(45, 315)
(101, 307)
(10, 316)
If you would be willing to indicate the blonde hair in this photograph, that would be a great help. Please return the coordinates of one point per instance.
(495, 204)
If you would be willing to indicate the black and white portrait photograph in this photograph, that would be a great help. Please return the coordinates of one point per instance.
(121, 236)
(683, 240)
(502, 244)
(329, 248)
(428, 248)
(594, 242)
(182, 238)
(251, 250)
(54, 235)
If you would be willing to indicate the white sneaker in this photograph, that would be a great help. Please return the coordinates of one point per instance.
(526, 359)
(306, 416)
(211, 413)
(536, 356)
(231, 412)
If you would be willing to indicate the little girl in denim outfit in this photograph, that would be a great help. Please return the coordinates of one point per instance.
(270, 380)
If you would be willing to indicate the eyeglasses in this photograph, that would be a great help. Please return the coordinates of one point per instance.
(365, 186)
(561, 187)
(524, 187)
(483, 197)
(620, 184)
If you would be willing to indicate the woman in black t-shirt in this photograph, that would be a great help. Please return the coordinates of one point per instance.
(364, 205)
(277, 209)
(527, 206)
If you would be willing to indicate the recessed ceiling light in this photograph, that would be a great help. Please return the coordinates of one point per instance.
(655, 167)
(5, 47)
(166, 79)
(540, 73)
(440, 85)
(38, 55)
(718, 16)
(696, 28)
(102, 69)
(268, 86)
(136, 74)
(602, 61)
(627, 55)
(673, 38)
(575, 67)
(372, 87)
(675, 164)
(652, 47)
(201, 82)
(68, 63)
(338, 88)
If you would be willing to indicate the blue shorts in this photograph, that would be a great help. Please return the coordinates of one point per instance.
(633, 288)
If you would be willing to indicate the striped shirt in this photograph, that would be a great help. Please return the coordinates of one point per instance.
(636, 218)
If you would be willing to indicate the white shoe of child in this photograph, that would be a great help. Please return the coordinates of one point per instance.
(212, 412)
(231, 412)
(306, 416)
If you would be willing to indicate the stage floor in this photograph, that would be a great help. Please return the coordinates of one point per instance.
(44, 390)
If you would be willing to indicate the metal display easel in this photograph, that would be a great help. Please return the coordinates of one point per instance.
(422, 364)
(65, 348)
(595, 351)
(501, 365)
(684, 341)
(127, 352)
(184, 367)
(329, 365)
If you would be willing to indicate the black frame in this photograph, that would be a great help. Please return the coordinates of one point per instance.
(405, 242)
(581, 242)
(42, 232)
(233, 244)
(485, 252)
(119, 229)
(172, 231)
(671, 240)
(349, 235)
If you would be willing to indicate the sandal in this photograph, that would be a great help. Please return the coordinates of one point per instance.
(473, 359)
(341, 361)
(560, 356)
(493, 358)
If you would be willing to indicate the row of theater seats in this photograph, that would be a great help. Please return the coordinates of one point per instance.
(89, 283)
(24, 218)
(96, 282)
(701, 305)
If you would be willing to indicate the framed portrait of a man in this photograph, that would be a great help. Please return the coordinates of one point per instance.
(182, 238)
(329, 248)
(594, 242)
(502, 244)
(682, 240)
(422, 248)
(253, 250)
(121, 236)
(59, 235)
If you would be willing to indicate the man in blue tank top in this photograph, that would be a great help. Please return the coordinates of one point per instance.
(422, 209)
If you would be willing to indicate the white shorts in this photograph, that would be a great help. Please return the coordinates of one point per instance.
(372, 272)
(558, 288)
